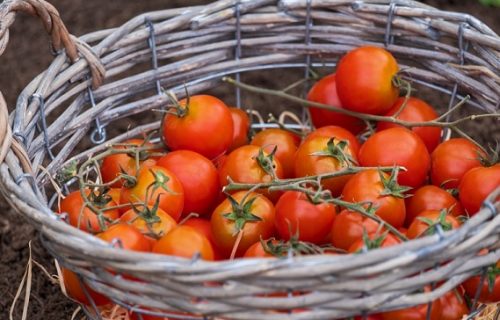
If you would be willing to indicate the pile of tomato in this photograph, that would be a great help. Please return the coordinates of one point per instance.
(214, 189)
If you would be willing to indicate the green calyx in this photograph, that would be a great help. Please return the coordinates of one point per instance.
(241, 213)
(100, 197)
(67, 173)
(337, 151)
(266, 162)
(296, 247)
(433, 224)
(391, 186)
(491, 275)
(374, 243)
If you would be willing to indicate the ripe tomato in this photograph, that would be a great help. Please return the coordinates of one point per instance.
(114, 193)
(398, 147)
(424, 224)
(205, 228)
(416, 110)
(256, 250)
(451, 160)
(338, 133)
(431, 198)
(254, 216)
(453, 305)
(185, 241)
(348, 227)
(82, 217)
(490, 288)
(476, 185)
(129, 237)
(76, 291)
(153, 223)
(246, 165)
(368, 186)
(156, 183)
(241, 125)
(325, 91)
(296, 215)
(286, 144)
(415, 313)
(374, 241)
(198, 176)
(113, 165)
(365, 80)
(322, 155)
(205, 127)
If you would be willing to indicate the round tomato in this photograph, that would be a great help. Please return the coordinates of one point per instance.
(116, 164)
(76, 291)
(415, 313)
(241, 126)
(452, 159)
(348, 227)
(82, 217)
(365, 80)
(204, 126)
(323, 155)
(205, 228)
(490, 288)
(127, 237)
(453, 305)
(286, 144)
(185, 241)
(416, 110)
(338, 133)
(251, 214)
(373, 241)
(153, 223)
(431, 198)
(398, 147)
(476, 185)
(378, 189)
(297, 216)
(156, 184)
(256, 250)
(198, 176)
(425, 223)
(325, 91)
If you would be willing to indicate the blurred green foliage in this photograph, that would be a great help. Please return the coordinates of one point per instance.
(495, 3)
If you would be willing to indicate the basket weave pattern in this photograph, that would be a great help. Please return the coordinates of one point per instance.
(88, 87)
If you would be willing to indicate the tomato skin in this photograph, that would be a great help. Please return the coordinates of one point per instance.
(415, 313)
(170, 202)
(286, 144)
(389, 240)
(486, 296)
(159, 228)
(207, 128)
(416, 110)
(431, 197)
(418, 227)
(241, 126)
(451, 160)
(256, 250)
(225, 232)
(364, 80)
(295, 214)
(338, 133)
(114, 193)
(75, 290)
(130, 237)
(325, 91)
(348, 227)
(185, 241)
(398, 146)
(366, 186)
(453, 305)
(476, 185)
(307, 164)
(86, 220)
(205, 228)
(198, 176)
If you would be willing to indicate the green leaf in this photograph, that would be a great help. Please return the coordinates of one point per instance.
(391, 186)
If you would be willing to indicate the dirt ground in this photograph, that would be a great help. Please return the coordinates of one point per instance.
(25, 57)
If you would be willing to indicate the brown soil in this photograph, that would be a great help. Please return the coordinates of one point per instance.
(27, 55)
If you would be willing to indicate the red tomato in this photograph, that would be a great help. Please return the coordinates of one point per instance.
(254, 217)
(113, 165)
(476, 185)
(322, 155)
(365, 80)
(415, 313)
(490, 292)
(241, 125)
(76, 291)
(256, 250)
(245, 165)
(114, 193)
(431, 198)
(451, 160)
(82, 217)
(338, 133)
(286, 144)
(416, 110)
(398, 147)
(296, 215)
(348, 227)
(151, 223)
(453, 305)
(129, 237)
(206, 127)
(375, 240)
(185, 241)
(424, 222)
(198, 176)
(325, 91)
(156, 183)
(205, 228)
(367, 186)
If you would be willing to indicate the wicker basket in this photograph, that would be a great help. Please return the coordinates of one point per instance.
(96, 80)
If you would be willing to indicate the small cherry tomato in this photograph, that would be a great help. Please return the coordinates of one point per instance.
(185, 241)
(373, 241)
(338, 133)
(256, 250)
(153, 223)
(205, 228)
(241, 126)
(490, 287)
(476, 185)
(348, 227)
(426, 223)
(365, 80)
(76, 291)
(126, 236)
(453, 305)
